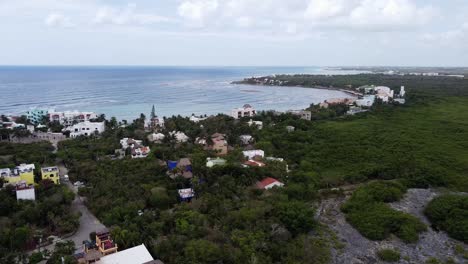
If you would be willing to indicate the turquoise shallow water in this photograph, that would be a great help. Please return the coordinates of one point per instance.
(125, 92)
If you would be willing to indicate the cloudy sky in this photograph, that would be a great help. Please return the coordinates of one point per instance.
(234, 32)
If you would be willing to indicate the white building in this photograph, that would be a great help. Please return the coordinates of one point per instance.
(86, 129)
(250, 154)
(134, 255)
(179, 136)
(245, 111)
(156, 137)
(258, 124)
(366, 101)
(25, 191)
(197, 119)
(129, 142)
(68, 118)
(402, 91)
(303, 114)
(246, 139)
(384, 93)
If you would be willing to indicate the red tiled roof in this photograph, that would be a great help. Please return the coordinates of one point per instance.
(265, 182)
(253, 163)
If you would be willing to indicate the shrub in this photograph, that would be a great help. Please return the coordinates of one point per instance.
(388, 255)
(367, 212)
(450, 213)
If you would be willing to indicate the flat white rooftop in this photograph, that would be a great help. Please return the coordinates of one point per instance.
(134, 255)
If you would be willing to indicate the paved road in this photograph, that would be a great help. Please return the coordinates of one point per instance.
(88, 222)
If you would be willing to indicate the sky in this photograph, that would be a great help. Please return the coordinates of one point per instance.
(234, 32)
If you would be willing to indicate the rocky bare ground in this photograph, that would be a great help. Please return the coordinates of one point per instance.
(357, 249)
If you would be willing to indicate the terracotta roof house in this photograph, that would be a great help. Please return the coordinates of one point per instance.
(269, 183)
(253, 163)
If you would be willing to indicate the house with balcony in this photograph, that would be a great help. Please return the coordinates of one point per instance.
(50, 173)
(86, 129)
(69, 118)
(23, 172)
(104, 243)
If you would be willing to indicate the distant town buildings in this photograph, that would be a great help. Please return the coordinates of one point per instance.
(86, 128)
(50, 173)
(69, 118)
(245, 111)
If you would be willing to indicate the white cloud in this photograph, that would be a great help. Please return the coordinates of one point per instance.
(320, 9)
(197, 11)
(126, 16)
(389, 14)
(58, 20)
(306, 15)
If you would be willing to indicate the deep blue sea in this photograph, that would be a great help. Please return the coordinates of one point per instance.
(125, 92)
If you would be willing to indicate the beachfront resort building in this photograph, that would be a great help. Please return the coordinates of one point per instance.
(86, 128)
(69, 118)
(245, 111)
(366, 101)
(36, 116)
(23, 172)
(50, 173)
(337, 101)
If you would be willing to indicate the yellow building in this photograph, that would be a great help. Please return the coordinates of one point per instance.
(23, 172)
(50, 173)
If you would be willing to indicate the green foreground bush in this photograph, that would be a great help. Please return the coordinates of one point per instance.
(367, 212)
(450, 213)
(388, 255)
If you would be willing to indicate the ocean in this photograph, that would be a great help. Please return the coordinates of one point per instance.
(125, 92)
